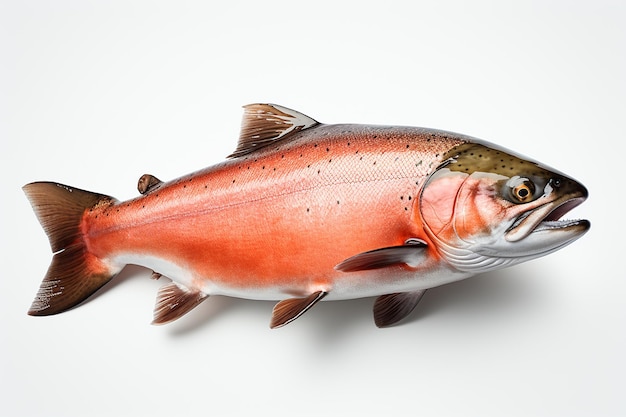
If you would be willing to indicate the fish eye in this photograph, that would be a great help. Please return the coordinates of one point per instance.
(522, 190)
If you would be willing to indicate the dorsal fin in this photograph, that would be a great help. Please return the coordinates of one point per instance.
(264, 124)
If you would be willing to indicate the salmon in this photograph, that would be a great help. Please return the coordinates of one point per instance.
(303, 211)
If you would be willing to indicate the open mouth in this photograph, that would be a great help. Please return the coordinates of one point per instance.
(547, 217)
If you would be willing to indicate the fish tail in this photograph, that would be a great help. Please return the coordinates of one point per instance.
(74, 273)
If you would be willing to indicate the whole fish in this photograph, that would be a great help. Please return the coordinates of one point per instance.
(304, 211)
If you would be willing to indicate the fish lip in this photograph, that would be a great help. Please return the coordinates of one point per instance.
(546, 218)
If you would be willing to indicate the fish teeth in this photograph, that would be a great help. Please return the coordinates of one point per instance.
(556, 224)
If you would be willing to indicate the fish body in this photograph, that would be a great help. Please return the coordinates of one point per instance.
(303, 211)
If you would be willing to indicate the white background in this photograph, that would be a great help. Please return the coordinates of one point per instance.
(96, 94)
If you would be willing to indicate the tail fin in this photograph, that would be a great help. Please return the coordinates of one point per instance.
(74, 273)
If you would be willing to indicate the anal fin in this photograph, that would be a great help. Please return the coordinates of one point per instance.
(391, 308)
(288, 310)
(174, 301)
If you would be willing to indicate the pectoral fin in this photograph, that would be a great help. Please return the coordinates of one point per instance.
(288, 310)
(412, 253)
(391, 308)
(174, 301)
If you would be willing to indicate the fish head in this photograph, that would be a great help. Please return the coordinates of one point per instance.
(485, 208)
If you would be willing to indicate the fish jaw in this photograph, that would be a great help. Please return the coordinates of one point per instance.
(542, 230)
(535, 234)
(548, 214)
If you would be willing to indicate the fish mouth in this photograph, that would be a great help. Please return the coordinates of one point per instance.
(546, 219)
